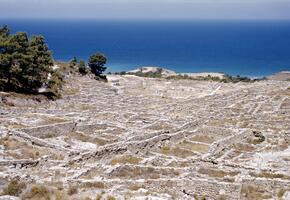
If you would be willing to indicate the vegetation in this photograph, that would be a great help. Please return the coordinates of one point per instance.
(119, 73)
(40, 192)
(73, 189)
(26, 64)
(254, 192)
(149, 74)
(97, 64)
(187, 77)
(14, 188)
(73, 62)
(265, 174)
(155, 74)
(225, 79)
(82, 67)
(99, 185)
(109, 197)
(126, 159)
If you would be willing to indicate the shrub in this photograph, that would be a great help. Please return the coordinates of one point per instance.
(109, 197)
(14, 188)
(99, 185)
(40, 192)
(125, 159)
(99, 196)
(82, 68)
(54, 84)
(72, 190)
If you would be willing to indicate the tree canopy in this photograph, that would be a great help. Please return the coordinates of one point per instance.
(97, 63)
(25, 63)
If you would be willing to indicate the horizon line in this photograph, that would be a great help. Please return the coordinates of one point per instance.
(145, 19)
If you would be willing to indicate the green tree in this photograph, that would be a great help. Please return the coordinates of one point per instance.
(25, 64)
(73, 62)
(96, 63)
(40, 65)
(54, 84)
(19, 62)
(5, 55)
(82, 67)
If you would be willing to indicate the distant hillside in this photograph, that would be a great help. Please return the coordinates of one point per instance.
(163, 72)
(280, 76)
(152, 71)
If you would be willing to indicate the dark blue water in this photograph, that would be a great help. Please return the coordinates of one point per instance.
(254, 48)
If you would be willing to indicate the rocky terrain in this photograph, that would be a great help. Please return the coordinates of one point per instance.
(144, 138)
(280, 76)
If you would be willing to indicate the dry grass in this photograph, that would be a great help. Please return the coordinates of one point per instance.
(98, 185)
(281, 193)
(223, 122)
(14, 188)
(71, 91)
(179, 164)
(126, 159)
(20, 150)
(160, 126)
(265, 174)
(176, 151)
(16, 125)
(135, 187)
(216, 173)
(87, 138)
(37, 192)
(202, 138)
(87, 107)
(110, 197)
(72, 189)
(99, 196)
(11, 143)
(193, 146)
(42, 192)
(91, 174)
(144, 172)
(251, 192)
(137, 172)
(243, 147)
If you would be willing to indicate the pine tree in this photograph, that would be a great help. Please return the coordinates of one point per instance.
(40, 67)
(96, 63)
(25, 64)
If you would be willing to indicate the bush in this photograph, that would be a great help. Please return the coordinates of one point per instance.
(14, 188)
(54, 85)
(109, 197)
(38, 192)
(72, 190)
(101, 78)
(82, 68)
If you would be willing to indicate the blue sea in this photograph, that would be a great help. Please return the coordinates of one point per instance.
(251, 48)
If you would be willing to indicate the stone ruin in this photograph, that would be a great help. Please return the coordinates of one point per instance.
(144, 138)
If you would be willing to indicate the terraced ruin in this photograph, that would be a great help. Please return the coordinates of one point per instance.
(143, 138)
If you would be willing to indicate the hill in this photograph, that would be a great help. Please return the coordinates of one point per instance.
(137, 138)
(280, 76)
